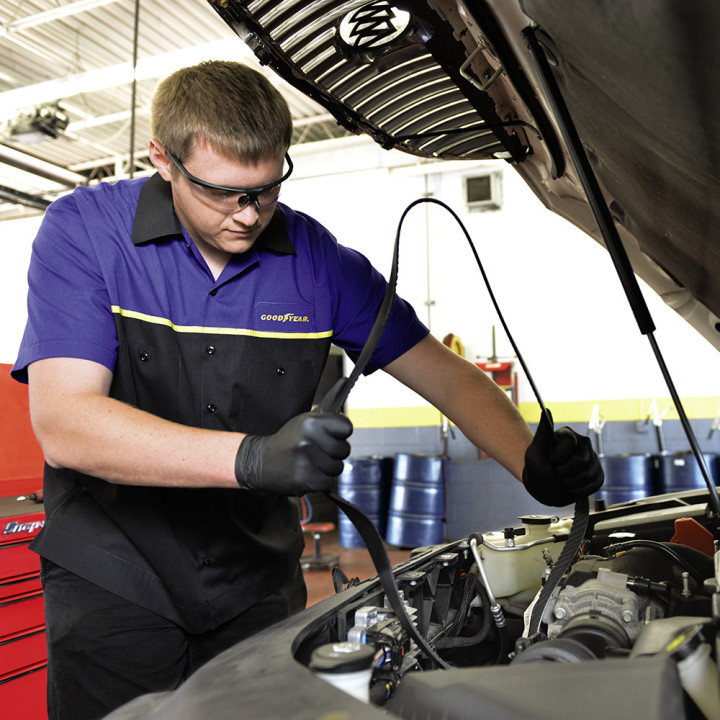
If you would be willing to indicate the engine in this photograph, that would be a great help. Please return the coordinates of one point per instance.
(639, 601)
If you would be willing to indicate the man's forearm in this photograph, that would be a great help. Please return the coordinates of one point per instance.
(134, 447)
(98, 435)
(108, 439)
(502, 433)
(471, 400)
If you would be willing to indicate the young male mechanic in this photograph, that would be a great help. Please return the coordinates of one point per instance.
(178, 327)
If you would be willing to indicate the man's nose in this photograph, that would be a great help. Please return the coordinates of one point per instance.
(248, 215)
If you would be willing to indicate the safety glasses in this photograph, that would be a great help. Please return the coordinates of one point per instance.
(228, 198)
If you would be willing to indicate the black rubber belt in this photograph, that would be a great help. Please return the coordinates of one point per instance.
(332, 402)
(572, 546)
(374, 543)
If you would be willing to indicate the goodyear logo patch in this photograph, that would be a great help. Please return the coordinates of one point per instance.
(290, 317)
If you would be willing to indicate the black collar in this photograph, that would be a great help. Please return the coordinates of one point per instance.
(155, 219)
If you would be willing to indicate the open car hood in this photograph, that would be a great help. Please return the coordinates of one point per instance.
(452, 79)
(640, 594)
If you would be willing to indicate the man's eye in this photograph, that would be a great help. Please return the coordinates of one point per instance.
(268, 196)
(219, 194)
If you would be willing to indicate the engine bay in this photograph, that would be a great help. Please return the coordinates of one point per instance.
(639, 598)
(630, 629)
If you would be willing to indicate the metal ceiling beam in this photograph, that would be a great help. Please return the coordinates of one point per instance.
(12, 101)
(91, 122)
(74, 8)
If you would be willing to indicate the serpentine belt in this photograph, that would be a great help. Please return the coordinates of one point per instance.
(333, 402)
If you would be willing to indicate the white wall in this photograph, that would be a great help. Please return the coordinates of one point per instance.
(16, 238)
(556, 287)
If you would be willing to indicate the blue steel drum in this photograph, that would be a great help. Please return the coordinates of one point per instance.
(627, 478)
(364, 482)
(348, 536)
(413, 531)
(417, 501)
(680, 471)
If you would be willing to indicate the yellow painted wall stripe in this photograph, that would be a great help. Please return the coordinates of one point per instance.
(633, 410)
(394, 417)
(218, 331)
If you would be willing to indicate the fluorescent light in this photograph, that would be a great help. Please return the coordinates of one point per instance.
(11, 101)
(62, 11)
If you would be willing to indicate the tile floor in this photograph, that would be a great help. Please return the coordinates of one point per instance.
(354, 562)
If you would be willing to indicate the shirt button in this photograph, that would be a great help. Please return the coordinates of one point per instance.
(207, 562)
(213, 292)
(144, 357)
(280, 371)
(210, 349)
(211, 408)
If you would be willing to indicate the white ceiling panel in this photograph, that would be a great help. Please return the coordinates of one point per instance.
(82, 56)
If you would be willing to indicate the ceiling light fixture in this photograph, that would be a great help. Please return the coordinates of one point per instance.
(46, 122)
(148, 68)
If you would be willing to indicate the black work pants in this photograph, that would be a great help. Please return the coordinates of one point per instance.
(104, 651)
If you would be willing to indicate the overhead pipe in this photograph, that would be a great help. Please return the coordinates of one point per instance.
(21, 198)
(41, 168)
(133, 101)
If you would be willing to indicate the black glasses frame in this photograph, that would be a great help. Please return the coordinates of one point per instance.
(246, 195)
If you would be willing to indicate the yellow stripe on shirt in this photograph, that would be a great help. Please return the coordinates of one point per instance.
(216, 330)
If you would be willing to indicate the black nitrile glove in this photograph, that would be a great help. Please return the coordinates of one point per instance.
(560, 467)
(304, 455)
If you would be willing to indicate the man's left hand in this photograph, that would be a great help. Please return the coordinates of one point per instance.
(560, 466)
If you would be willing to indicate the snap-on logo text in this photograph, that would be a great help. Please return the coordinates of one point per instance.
(28, 527)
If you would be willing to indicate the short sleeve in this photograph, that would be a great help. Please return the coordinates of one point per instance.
(69, 310)
(360, 289)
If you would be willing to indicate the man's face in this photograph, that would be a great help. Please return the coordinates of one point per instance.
(213, 218)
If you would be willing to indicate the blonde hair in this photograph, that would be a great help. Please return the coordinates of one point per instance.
(226, 104)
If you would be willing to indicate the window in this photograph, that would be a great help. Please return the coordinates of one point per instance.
(484, 192)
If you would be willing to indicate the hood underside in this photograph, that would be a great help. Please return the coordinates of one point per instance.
(446, 79)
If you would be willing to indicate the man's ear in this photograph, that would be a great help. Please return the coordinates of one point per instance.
(159, 158)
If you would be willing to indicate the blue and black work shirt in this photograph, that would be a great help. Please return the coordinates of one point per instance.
(115, 279)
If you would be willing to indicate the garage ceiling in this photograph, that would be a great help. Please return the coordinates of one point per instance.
(90, 58)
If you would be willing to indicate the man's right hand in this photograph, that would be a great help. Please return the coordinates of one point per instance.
(305, 455)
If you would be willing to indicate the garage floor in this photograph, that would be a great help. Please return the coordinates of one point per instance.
(354, 562)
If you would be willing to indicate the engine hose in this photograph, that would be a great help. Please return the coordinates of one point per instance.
(503, 657)
(680, 562)
(467, 597)
(447, 643)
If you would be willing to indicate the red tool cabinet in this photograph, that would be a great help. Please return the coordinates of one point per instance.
(23, 657)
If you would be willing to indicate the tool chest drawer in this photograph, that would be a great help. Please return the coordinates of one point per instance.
(17, 561)
(23, 654)
(15, 589)
(20, 616)
(23, 695)
(20, 522)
